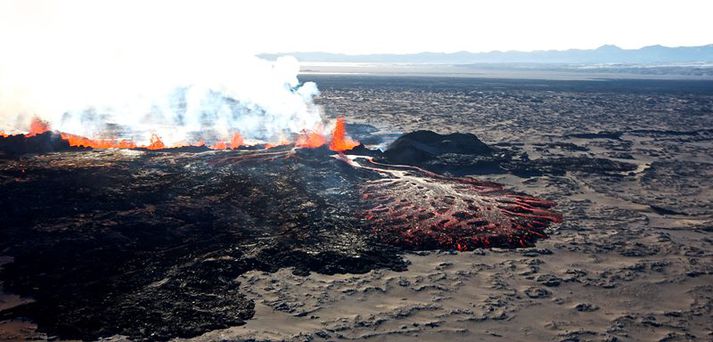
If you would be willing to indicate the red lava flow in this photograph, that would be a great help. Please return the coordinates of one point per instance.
(419, 209)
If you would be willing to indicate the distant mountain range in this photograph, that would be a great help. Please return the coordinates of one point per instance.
(655, 54)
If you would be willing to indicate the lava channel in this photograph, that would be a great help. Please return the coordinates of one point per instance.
(417, 209)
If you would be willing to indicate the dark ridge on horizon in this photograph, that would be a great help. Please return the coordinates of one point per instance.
(603, 54)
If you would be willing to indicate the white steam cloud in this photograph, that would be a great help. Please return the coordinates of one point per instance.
(182, 96)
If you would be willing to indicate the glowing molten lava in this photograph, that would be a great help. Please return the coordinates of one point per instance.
(156, 143)
(236, 141)
(220, 145)
(37, 126)
(340, 142)
(79, 141)
(310, 140)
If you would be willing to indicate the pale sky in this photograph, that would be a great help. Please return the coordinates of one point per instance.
(348, 26)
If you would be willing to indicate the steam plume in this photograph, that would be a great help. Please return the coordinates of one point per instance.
(180, 96)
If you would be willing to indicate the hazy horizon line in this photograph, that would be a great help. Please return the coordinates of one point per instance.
(486, 51)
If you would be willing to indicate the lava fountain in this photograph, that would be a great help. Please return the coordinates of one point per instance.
(340, 141)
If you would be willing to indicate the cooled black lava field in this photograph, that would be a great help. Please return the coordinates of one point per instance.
(544, 210)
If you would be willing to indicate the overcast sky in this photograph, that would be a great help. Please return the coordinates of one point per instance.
(349, 26)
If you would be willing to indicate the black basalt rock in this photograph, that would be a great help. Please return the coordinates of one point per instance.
(15, 145)
(422, 146)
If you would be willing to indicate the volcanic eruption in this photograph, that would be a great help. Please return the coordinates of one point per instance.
(204, 183)
(167, 216)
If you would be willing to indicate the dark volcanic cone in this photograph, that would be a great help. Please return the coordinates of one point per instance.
(421, 146)
(147, 244)
(456, 153)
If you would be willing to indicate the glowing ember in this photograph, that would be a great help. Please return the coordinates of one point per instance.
(418, 209)
(79, 141)
(340, 142)
(156, 143)
(236, 141)
(311, 139)
(38, 126)
(2, 134)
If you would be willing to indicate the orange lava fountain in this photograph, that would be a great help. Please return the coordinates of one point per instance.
(311, 139)
(220, 145)
(236, 141)
(156, 143)
(340, 141)
(37, 126)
